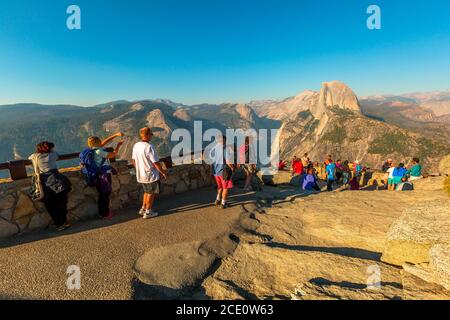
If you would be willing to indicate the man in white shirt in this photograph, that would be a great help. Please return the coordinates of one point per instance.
(148, 171)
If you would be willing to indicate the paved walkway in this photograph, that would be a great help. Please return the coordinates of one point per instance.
(34, 266)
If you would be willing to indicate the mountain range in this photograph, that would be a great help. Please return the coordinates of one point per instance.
(332, 120)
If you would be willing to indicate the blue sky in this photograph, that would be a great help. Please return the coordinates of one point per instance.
(195, 51)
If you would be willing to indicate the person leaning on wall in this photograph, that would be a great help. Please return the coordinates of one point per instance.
(54, 187)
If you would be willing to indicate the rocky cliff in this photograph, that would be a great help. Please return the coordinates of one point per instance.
(331, 122)
(340, 245)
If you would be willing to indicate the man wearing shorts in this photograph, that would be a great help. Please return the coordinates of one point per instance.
(220, 163)
(148, 171)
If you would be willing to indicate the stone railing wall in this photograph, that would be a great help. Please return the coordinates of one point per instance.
(19, 214)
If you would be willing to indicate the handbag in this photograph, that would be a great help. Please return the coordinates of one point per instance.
(37, 190)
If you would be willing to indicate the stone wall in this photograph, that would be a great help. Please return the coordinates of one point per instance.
(18, 214)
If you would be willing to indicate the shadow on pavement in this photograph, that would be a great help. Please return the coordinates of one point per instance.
(189, 201)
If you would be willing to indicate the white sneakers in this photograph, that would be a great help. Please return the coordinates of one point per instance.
(147, 214)
(150, 214)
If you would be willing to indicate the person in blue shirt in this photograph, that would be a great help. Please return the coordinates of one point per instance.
(331, 174)
(398, 174)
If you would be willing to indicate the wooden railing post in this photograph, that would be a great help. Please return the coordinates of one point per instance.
(17, 169)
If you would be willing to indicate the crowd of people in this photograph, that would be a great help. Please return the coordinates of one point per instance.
(53, 188)
(348, 175)
(398, 176)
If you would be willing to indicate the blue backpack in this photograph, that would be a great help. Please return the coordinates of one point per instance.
(89, 167)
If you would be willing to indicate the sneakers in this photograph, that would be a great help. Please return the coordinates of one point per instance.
(142, 212)
(224, 205)
(63, 227)
(150, 214)
(217, 203)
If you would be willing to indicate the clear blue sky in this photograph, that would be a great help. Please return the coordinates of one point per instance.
(196, 51)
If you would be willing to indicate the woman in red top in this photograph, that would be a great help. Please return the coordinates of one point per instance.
(297, 166)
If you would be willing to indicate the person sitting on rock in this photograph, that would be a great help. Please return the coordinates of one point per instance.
(103, 181)
(405, 185)
(55, 186)
(386, 165)
(305, 160)
(297, 167)
(416, 170)
(398, 174)
(346, 173)
(148, 171)
(354, 184)
(320, 170)
(310, 181)
(357, 169)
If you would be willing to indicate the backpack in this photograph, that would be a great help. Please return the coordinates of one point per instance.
(89, 168)
(405, 186)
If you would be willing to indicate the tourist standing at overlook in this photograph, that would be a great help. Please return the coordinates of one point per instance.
(390, 177)
(339, 170)
(54, 185)
(97, 169)
(328, 160)
(331, 174)
(222, 170)
(247, 159)
(148, 171)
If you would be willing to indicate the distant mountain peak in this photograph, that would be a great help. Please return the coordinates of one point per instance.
(331, 94)
(337, 94)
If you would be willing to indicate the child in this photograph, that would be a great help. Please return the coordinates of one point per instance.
(390, 173)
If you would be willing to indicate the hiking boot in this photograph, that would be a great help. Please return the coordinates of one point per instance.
(150, 214)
